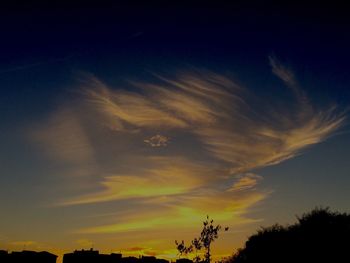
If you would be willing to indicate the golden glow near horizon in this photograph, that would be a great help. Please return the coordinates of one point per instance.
(164, 156)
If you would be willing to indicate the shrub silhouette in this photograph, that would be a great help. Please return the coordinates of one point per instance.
(318, 236)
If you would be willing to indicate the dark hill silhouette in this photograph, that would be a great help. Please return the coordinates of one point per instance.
(318, 236)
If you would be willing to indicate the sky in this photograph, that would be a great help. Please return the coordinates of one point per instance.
(124, 126)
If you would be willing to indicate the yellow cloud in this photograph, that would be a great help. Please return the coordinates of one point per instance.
(187, 211)
(167, 176)
(218, 138)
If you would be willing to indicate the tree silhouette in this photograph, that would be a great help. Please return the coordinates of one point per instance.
(182, 248)
(197, 244)
(318, 236)
(209, 233)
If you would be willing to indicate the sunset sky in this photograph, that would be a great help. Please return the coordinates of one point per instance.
(123, 127)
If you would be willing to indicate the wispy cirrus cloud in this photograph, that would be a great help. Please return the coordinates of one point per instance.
(247, 181)
(186, 211)
(212, 108)
(219, 136)
(165, 176)
(64, 138)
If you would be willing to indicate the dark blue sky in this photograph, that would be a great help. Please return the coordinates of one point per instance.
(44, 44)
(63, 161)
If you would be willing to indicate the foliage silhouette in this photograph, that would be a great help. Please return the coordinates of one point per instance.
(197, 244)
(318, 236)
(209, 233)
(182, 248)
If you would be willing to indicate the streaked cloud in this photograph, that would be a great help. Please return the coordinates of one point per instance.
(220, 133)
(128, 108)
(64, 138)
(186, 211)
(247, 181)
(212, 108)
(169, 177)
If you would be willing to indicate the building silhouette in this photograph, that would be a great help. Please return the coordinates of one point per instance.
(151, 259)
(27, 256)
(93, 256)
(90, 256)
(129, 260)
(184, 260)
(78, 256)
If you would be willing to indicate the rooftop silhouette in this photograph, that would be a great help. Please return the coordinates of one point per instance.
(27, 256)
(93, 256)
(78, 256)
